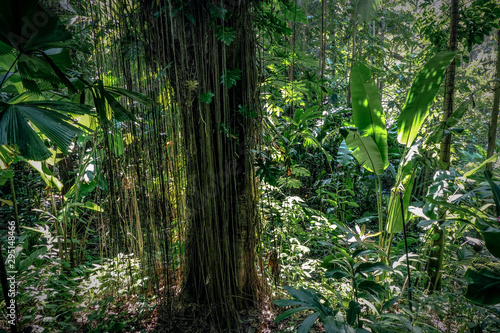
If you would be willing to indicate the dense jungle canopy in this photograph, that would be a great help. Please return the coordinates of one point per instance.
(249, 166)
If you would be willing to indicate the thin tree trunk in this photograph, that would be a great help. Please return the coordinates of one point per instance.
(324, 18)
(449, 88)
(435, 262)
(382, 41)
(492, 133)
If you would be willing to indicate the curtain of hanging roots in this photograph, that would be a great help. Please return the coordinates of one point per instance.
(141, 163)
(184, 175)
(217, 139)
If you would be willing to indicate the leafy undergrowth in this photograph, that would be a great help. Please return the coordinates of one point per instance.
(110, 295)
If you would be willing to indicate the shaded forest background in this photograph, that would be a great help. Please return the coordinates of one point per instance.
(252, 166)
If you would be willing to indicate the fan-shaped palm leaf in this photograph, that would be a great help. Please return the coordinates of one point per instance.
(51, 118)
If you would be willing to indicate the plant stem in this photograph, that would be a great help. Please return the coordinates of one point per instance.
(406, 250)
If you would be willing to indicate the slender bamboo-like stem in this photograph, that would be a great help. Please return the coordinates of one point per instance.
(406, 251)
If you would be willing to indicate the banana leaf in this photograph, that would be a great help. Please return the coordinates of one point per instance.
(421, 96)
(368, 114)
(365, 150)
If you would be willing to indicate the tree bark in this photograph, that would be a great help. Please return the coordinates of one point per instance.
(218, 136)
(449, 88)
(492, 133)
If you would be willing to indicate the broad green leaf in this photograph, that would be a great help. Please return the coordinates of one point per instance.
(308, 323)
(14, 130)
(495, 189)
(366, 8)
(371, 287)
(225, 34)
(394, 216)
(483, 287)
(368, 113)
(64, 79)
(288, 182)
(47, 175)
(36, 69)
(207, 97)
(302, 294)
(330, 324)
(300, 171)
(287, 302)
(390, 303)
(421, 96)
(352, 312)
(365, 150)
(230, 77)
(336, 274)
(491, 238)
(5, 202)
(368, 267)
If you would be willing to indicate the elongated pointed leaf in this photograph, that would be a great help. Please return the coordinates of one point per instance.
(302, 294)
(308, 323)
(421, 96)
(290, 312)
(371, 287)
(368, 267)
(336, 274)
(330, 324)
(484, 287)
(138, 97)
(287, 302)
(365, 150)
(352, 312)
(368, 113)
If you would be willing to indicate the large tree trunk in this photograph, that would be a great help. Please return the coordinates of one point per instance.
(435, 262)
(218, 136)
(492, 133)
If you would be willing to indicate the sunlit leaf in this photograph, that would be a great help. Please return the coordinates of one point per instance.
(368, 114)
(365, 150)
(421, 96)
